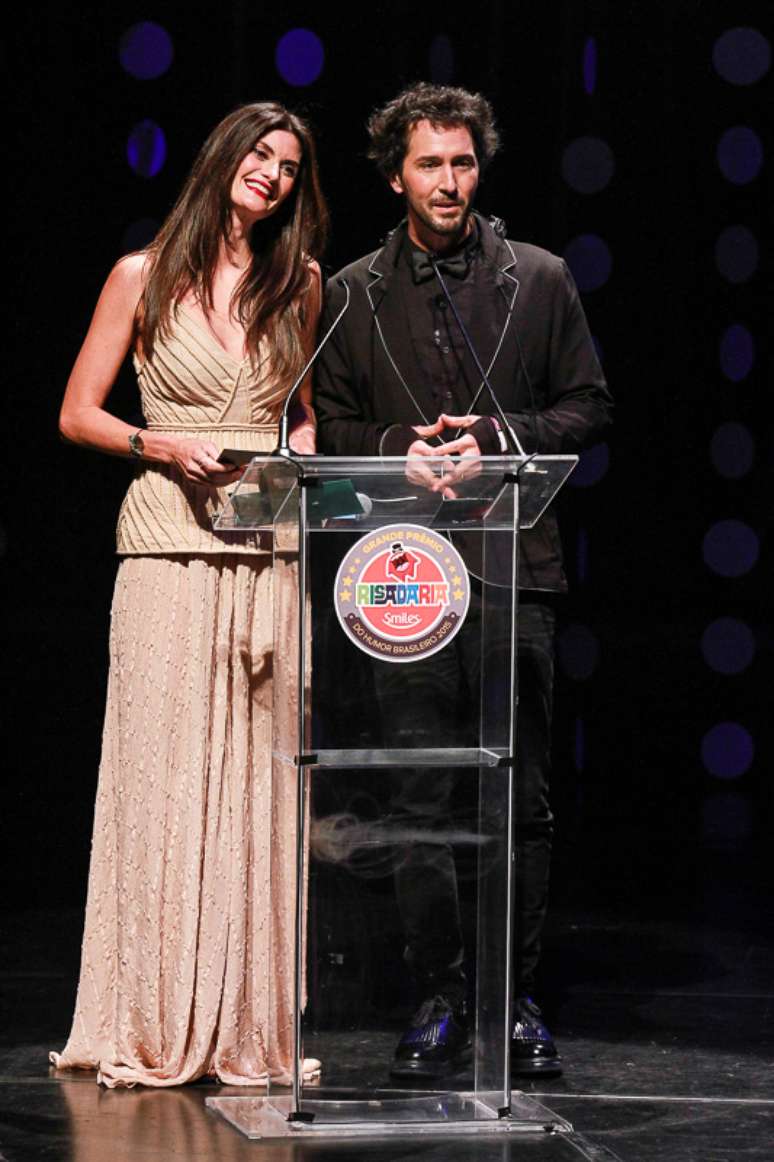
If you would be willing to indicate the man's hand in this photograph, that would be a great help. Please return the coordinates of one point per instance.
(464, 445)
(423, 474)
(427, 431)
(418, 473)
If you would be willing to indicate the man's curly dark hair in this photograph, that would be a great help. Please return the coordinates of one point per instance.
(443, 105)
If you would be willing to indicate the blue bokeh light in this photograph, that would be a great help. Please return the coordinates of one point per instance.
(728, 645)
(732, 450)
(589, 258)
(742, 56)
(736, 254)
(727, 750)
(589, 65)
(737, 352)
(300, 56)
(145, 51)
(441, 59)
(146, 149)
(588, 165)
(731, 548)
(578, 652)
(593, 464)
(740, 155)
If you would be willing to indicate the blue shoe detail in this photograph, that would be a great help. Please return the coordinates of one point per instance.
(436, 1043)
(532, 1046)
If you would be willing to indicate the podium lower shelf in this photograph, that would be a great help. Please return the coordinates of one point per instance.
(405, 757)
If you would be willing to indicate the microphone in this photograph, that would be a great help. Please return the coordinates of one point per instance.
(510, 436)
(283, 447)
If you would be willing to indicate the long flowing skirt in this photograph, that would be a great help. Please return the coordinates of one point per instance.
(187, 951)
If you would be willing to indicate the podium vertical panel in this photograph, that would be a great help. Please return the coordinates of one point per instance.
(278, 491)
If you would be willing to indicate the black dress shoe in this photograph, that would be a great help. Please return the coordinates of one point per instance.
(436, 1043)
(532, 1047)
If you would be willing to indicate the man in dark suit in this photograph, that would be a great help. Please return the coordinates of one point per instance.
(397, 378)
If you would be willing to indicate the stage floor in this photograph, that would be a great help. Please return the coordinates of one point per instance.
(666, 1027)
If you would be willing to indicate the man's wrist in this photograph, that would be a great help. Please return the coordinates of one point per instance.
(488, 435)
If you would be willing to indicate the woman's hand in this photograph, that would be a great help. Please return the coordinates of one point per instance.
(199, 464)
(302, 439)
(304, 434)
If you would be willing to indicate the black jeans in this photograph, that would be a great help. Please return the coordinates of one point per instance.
(422, 704)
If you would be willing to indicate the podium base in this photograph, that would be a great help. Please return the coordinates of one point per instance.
(386, 1115)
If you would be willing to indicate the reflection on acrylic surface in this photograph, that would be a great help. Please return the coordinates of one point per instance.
(371, 848)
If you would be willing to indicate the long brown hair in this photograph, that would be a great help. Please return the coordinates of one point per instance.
(184, 254)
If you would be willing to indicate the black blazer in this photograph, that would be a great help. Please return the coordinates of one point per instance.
(370, 387)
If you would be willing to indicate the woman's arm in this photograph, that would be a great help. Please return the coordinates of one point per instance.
(83, 418)
(303, 436)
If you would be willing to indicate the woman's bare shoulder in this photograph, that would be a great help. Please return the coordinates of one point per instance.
(125, 284)
(131, 272)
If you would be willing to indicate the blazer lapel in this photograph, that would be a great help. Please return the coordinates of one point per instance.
(394, 325)
(501, 260)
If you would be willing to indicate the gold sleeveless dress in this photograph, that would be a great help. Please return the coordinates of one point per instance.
(187, 951)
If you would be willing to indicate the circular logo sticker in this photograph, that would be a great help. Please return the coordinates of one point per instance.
(401, 593)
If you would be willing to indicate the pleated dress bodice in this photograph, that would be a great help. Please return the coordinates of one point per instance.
(192, 387)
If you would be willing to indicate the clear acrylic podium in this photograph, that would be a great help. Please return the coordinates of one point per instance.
(395, 734)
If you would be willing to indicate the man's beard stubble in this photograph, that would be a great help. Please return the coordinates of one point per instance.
(443, 228)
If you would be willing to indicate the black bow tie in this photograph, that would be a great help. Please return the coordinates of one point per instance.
(456, 265)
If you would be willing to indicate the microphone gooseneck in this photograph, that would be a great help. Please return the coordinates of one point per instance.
(510, 436)
(283, 446)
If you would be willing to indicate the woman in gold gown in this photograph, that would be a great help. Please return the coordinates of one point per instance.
(187, 952)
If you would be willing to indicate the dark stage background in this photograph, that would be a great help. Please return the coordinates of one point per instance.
(636, 144)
